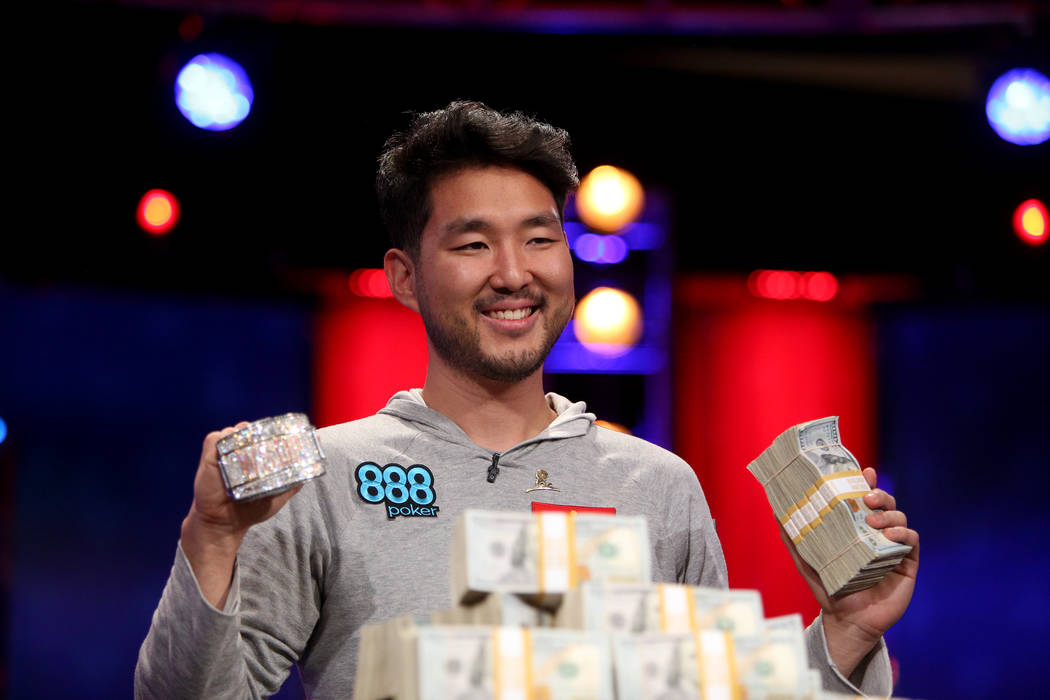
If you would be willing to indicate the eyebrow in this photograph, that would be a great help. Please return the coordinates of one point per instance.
(468, 225)
(462, 225)
(542, 220)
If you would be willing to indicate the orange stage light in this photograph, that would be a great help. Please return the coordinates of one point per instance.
(608, 321)
(158, 212)
(609, 198)
(1031, 222)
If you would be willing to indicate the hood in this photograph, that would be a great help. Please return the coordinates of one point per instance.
(573, 419)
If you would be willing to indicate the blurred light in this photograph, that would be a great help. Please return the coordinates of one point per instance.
(819, 286)
(1018, 106)
(643, 236)
(3, 430)
(640, 235)
(608, 321)
(600, 249)
(789, 284)
(774, 284)
(213, 92)
(1031, 221)
(370, 283)
(158, 212)
(612, 426)
(568, 356)
(609, 198)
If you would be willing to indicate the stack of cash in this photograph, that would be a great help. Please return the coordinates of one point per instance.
(776, 666)
(543, 555)
(621, 608)
(708, 664)
(679, 665)
(816, 489)
(505, 609)
(407, 660)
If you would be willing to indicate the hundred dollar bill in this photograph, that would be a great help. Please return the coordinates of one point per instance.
(542, 555)
(614, 608)
(698, 665)
(775, 667)
(459, 662)
(506, 609)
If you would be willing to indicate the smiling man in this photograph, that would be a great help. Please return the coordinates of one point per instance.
(473, 200)
(491, 276)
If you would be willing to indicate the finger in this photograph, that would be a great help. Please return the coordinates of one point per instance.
(871, 477)
(906, 536)
(878, 498)
(212, 438)
(208, 449)
(888, 518)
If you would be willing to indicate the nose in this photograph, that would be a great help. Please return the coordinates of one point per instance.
(511, 270)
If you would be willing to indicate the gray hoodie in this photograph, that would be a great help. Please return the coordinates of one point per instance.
(340, 555)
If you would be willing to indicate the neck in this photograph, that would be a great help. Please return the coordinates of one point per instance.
(494, 415)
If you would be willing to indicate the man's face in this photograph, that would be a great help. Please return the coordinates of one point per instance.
(494, 276)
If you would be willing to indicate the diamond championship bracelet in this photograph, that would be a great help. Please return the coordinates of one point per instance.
(269, 456)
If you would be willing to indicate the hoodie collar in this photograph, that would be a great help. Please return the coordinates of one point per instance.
(573, 419)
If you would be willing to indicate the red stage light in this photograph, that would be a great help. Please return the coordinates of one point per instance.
(1031, 222)
(158, 212)
(819, 286)
(788, 284)
(369, 283)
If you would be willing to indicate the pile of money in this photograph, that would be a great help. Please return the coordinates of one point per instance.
(816, 489)
(543, 555)
(561, 607)
(406, 659)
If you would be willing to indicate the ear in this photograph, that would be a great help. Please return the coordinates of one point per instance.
(401, 276)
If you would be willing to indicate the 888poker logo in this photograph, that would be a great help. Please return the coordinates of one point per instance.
(405, 492)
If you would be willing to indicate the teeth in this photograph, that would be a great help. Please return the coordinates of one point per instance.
(513, 315)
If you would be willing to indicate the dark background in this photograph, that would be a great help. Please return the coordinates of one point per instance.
(849, 151)
(841, 141)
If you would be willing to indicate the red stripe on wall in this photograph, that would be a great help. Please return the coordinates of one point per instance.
(364, 352)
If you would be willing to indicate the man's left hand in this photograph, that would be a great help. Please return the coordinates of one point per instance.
(854, 623)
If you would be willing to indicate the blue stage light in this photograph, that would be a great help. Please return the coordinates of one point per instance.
(3, 430)
(213, 92)
(601, 249)
(1018, 106)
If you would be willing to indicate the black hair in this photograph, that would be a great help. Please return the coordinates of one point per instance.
(462, 135)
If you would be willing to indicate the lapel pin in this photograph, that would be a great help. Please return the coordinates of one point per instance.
(541, 483)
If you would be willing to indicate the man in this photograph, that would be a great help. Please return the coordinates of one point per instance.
(473, 199)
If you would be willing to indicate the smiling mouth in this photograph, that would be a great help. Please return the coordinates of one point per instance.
(511, 314)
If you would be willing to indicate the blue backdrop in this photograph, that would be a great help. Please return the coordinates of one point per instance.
(965, 412)
(107, 398)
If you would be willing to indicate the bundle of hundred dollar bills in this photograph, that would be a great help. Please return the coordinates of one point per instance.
(816, 489)
(543, 555)
(556, 606)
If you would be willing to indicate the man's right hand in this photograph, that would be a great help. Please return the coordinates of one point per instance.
(216, 524)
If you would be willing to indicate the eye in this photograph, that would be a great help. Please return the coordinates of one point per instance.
(542, 240)
(473, 245)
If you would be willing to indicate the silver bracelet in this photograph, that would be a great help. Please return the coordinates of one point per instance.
(269, 456)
